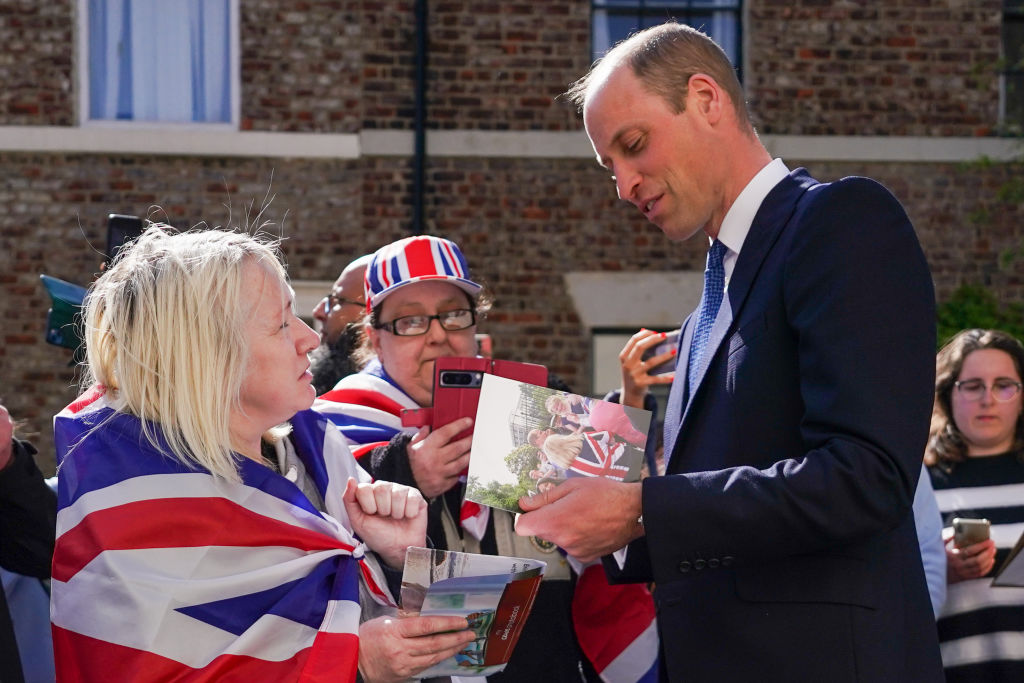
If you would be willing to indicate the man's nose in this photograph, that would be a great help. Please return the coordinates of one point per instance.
(320, 310)
(435, 332)
(626, 183)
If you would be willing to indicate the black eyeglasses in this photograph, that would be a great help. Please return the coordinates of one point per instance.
(333, 301)
(415, 325)
(1003, 390)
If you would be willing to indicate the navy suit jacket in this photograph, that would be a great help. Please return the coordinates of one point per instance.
(781, 540)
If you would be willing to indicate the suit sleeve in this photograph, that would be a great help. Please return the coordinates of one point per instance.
(28, 515)
(859, 333)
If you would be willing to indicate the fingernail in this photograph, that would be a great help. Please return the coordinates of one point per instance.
(674, 352)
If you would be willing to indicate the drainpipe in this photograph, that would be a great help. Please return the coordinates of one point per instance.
(417, 227)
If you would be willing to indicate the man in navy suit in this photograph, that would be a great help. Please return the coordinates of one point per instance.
(781, 539)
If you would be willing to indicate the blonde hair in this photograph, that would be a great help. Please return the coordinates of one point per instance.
(562, 449)
(163, 334)
(557, 404)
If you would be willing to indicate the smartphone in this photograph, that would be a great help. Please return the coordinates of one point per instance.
(970, 531)
(120, 230)
(670, 342)
(457, 383)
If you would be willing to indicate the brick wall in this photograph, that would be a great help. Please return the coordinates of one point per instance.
(301, 65)
(37, 40)
(905, 67)
(902, 67)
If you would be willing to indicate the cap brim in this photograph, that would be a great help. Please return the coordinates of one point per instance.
(468, 286)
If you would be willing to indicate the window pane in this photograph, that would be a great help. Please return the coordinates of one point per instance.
(180, 73)
(615, 20)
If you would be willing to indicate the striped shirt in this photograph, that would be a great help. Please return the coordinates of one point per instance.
(981, 627)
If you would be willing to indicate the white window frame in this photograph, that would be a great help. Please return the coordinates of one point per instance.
(82, 71)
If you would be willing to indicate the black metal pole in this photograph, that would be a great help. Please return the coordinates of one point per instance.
(417, 226)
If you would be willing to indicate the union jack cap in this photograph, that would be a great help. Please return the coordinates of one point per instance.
(416, 259)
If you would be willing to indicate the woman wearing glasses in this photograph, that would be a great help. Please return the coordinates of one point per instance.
(976, 461)
(422, 305)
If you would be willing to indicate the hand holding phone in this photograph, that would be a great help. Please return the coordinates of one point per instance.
(667, 345)
(648, 358)
(972, 554)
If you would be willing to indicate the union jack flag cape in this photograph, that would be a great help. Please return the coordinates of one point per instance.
(367, 408)
(163, 572)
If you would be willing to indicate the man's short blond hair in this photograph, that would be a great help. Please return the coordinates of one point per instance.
(663, 58)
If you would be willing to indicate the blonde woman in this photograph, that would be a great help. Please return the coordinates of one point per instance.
(202, 532)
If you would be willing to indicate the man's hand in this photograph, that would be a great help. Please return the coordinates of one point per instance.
(388, 517)
(635, 377)
(586, 516)
(436, 460)
(6, 435)
(393, 649)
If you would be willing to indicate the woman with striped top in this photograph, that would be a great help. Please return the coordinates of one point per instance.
(976, 461)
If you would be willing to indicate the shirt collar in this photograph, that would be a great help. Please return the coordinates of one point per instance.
(741, 214)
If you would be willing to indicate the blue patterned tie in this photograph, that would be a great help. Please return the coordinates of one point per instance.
(714, 288)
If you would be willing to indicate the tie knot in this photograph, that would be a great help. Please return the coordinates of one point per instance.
(717, 251)
(715, 256)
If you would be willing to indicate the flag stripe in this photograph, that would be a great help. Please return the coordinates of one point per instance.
(197, 522)
(364, 397)
(336, 658)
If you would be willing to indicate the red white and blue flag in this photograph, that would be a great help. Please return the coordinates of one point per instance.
(600, 456)
(367, 408)
(615, 626)
(163, 572)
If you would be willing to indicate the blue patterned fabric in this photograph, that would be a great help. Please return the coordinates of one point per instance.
(714, 288)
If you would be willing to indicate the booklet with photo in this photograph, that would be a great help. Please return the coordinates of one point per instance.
(494, 593)
(528, 438)
(1011, 572)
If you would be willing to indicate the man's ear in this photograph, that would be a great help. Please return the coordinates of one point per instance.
(704, 93)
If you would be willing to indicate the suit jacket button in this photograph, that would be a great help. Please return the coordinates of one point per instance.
(699, 564)
(713, 563)
(727, 560)
(685, 566)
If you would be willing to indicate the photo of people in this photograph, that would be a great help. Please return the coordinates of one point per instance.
(529, 438)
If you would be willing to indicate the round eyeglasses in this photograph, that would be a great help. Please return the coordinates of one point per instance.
(415, 325)
(1003, 390)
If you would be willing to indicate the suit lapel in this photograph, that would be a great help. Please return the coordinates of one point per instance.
(677, 392)
(775, 213)
(769, 221)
